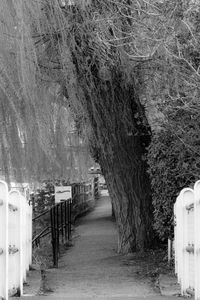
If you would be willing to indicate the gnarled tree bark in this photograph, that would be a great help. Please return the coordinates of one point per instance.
(121, 137)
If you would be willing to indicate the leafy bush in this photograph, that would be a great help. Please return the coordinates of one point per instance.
(174, 163)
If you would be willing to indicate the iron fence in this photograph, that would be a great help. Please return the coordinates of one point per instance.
(61, 221)
(61, 216)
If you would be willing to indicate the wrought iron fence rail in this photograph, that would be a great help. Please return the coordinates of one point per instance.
(62, 215)
(39, 235)
(40, 215)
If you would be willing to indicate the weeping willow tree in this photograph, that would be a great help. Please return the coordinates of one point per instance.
(103, 57)
(105, 97)
(36, 126)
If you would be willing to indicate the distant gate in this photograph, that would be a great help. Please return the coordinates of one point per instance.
(15, 241)
(187, 240)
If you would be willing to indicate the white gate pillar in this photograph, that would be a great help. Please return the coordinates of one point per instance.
(188, 199)
(197, 239)
(3, 240)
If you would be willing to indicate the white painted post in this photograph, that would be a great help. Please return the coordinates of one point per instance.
(187, 266)
(3, 240)
(30, 233)
(15, 241)
(169, 251)
(188, 198)
(197, 239)
(21, 246)
(179, 231)
(175, 239)
(190, 249)
(12, 241)
(15, 200)
(23, 232)
(27, 235)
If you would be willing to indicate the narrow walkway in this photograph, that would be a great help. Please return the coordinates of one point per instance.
(92, 269)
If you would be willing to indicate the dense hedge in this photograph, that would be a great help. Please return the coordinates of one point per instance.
(174, 163)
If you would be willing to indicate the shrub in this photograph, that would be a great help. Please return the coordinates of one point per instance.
(174, 163)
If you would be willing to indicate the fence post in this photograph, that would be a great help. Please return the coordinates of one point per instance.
(58, 229)
(175, 239)
(188, 198)
(65, 218)
(70, 218)
(53, 238)
(3, 240)
(61, 221)
(96, 187)
(169, 251)
(30, 233)
(180, 235)
(24, 233)
(15, 238)
(197, 239)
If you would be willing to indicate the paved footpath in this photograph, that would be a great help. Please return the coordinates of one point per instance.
(92, 269)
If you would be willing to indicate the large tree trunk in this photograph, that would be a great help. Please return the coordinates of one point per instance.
(131, 197)
(122, 135)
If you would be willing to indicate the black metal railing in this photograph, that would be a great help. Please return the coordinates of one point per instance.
(42, 233)
(96, 188)
(60, 218)
(61, 221)
(57, 220)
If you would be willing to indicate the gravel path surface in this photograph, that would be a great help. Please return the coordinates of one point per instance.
(92, 269)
